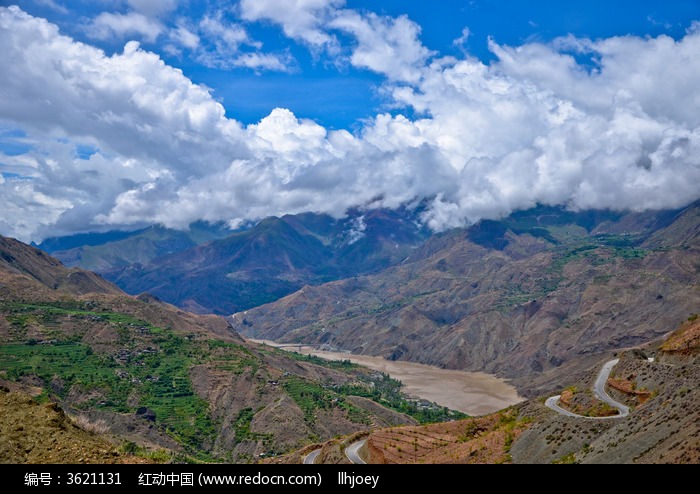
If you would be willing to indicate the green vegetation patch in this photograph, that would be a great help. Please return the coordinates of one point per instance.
(243, 431)
(378, 387)
(231, 357)
(569, 459)
(311, 398)
(344, 365)
(145, 364)
(67, 365)
(383, 389)
(595, 251)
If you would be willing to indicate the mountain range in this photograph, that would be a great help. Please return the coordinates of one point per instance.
(525, 297)
(541, 298)
(208, 269)
(151, 379)
(530, 297)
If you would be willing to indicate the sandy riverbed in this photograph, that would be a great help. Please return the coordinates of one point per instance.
(474, 393)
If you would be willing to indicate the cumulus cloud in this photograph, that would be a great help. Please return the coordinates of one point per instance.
(537, 126)
(109, 25)
(300, 19)
(148, 123)
(612, 123)
(382, 44)
(385, 45)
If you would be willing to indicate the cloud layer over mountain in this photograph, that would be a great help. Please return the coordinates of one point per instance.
(127, 139)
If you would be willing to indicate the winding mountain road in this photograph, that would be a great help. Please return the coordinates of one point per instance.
(352, 452)
(553, 403)
(310, 459)
(602, 395)
(599, 391)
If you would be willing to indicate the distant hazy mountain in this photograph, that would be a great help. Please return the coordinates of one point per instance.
(109, 251)
(250, 267)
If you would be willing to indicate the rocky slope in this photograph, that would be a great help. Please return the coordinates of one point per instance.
(32, 432)
(663, 426)
(530, 298)
(112, 251)
(659, 381)
(161, 379)
(29, 272)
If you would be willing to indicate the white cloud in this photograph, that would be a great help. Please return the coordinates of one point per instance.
(149, 122)
(214, 41)
(462, 40)
(261, 61)
(300, 19)
(153, 8)
(218, 43)
(283, 134)
(650, 73)
(184, 37)
(229, 36)
(385, 45)
(356, 231)
(52, 4)
(109, 25)
(535, 125)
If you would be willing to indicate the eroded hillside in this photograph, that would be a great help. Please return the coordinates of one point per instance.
(530, 298)
(33, 432)
(659, 382)
(166, 380)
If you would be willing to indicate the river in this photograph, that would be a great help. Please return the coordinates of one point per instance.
(474, 393)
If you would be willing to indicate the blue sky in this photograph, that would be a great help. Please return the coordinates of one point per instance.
(337, 97)
(119, 113)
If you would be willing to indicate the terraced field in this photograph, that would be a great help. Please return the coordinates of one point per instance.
(477, 440)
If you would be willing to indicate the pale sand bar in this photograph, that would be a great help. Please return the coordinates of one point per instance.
(473, 393)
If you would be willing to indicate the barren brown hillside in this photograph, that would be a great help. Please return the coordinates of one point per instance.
(685, 340)
(529, 300)
(661, 387)
(159, 378)
(477, 440)
(41, 433)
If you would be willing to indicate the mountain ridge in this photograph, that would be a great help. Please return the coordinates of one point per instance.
(173, 385)
(514, 304)
(254, 265)
(657, 381)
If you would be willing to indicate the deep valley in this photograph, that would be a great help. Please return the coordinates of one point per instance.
(538, 300)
